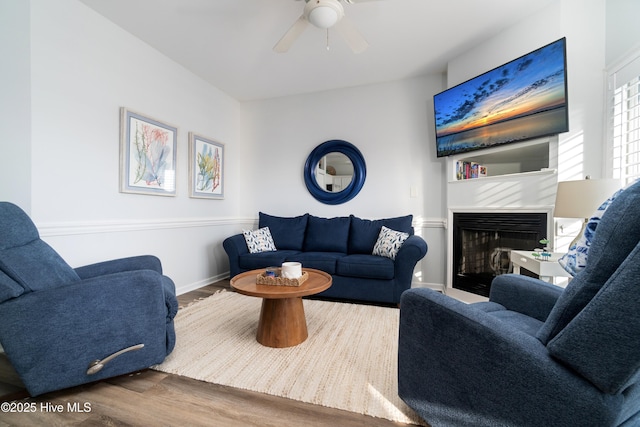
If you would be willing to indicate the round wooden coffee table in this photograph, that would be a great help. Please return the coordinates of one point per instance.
(282, 322)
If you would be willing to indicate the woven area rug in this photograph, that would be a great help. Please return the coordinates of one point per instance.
(348, 362)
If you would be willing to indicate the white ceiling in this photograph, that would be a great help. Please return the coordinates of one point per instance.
(229, 42)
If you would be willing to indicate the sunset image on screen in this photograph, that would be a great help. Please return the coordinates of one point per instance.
(531, 85)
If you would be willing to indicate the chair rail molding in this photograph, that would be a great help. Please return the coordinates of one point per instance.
(95, 227)
(429, 223)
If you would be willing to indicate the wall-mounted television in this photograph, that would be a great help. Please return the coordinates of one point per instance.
(522, 99)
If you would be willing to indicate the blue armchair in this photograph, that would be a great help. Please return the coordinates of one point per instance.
(62, 327)
(534, 354)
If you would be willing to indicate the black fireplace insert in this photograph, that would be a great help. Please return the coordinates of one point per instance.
(482, 245)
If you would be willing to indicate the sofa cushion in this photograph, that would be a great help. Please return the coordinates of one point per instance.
(324, 261)
(287, 233)
(389, 242)
(263, 259)
(526, 324)
(259, 240)
(36, 266)
(327, 234)
(365, 266)
(364, 233)
(615, 238)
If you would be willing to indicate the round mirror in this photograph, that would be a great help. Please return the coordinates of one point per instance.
(334, 172)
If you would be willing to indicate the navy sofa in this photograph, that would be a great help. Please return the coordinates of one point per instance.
(340, 246)
(56, 321)
(535, 354)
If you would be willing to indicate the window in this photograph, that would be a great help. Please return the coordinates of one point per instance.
(623, 125)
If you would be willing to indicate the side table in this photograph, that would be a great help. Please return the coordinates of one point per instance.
(547, 270)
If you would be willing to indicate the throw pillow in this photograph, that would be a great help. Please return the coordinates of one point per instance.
(389, 242)
(575, 260)
(363, 233)
(259, 240)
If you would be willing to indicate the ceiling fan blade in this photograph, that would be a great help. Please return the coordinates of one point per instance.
(351, 35)
(291, 35)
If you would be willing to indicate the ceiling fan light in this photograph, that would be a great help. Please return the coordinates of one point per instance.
(323, 17)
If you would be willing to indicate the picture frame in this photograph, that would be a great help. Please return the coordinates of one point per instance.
(148, 155)
(206, 167)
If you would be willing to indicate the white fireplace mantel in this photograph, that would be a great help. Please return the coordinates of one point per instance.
(524, 190)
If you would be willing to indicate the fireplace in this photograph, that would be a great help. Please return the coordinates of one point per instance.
(482, 243)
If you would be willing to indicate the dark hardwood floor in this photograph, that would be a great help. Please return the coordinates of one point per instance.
(151, 398)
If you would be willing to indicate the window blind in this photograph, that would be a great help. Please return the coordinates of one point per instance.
(624, 119)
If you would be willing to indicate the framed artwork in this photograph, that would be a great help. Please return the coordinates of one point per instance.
(148, 150)
(206, 168)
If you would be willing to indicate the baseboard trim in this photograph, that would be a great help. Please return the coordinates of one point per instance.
(201, 283)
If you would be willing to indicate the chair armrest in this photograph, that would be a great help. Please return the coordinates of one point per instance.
(525, 295)
(52, 336)
(235, 246)
(143, 262)
(452, 355)
(412, 250)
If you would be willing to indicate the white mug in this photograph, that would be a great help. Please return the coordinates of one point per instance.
(291, 270)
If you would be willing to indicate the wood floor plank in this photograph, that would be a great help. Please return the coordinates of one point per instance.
(138, 409)
(243, 407)
(8, 375)
(138, 381)
(204, 292)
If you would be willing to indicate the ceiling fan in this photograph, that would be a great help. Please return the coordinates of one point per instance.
(324, 14)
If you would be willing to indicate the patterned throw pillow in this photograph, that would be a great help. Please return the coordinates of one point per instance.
(575, 260)
(259, 240)
(389, 242)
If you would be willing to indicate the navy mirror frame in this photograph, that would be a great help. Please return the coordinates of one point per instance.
(359, 172)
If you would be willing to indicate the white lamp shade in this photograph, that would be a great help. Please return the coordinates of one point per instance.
(323, 16)
(580, 199)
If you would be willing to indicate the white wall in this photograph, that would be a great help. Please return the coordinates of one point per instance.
(623, 31)
(15, 120)
(390, 123)
(581, 150)
(83, 69)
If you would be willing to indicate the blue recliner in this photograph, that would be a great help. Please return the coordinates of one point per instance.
(535, 354)
(62, 327)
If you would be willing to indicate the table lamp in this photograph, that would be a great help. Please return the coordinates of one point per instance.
(581, 199)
